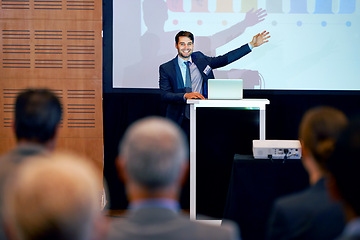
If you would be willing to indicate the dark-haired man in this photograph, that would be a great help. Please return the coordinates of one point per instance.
(185, 76)
(37, 117)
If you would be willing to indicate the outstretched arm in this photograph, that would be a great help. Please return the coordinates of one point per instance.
(260, 39)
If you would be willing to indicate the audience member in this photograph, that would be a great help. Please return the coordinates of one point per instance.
(37, 116)
(153, 163)
(312, 214)
(52, 198)
(344, 178)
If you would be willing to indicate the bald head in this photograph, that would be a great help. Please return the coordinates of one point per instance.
(153, 150)
(56, 198)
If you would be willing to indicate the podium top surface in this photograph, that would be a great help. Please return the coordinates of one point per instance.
(245, 103)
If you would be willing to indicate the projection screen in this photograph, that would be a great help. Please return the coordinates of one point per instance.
(314, 44)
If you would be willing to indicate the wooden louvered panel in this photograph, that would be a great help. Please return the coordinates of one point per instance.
(7, 108)
(81, 102)
(51, 9)
(81, 125)
(43, 50)
(54, 44)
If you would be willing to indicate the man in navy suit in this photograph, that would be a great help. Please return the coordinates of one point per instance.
(174, 89)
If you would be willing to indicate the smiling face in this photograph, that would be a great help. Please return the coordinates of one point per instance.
(185, 47)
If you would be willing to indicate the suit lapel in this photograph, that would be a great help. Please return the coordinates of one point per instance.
(177, 75)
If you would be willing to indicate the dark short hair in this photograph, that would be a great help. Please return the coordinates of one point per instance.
(184, 34)
(37, 114)
(344, 165)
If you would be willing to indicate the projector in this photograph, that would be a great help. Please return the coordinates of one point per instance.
(276, 149)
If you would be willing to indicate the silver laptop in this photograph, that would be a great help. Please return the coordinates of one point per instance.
(225, 89)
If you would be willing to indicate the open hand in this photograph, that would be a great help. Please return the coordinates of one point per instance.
(260, 39)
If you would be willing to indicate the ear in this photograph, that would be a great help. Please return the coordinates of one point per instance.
(184, 174)
(120, 167)
(51, 143)
(56, 131)
(304, 150)
(304, 154)
(56, 134)
(176, 46)
(332, 188)
(13, 128)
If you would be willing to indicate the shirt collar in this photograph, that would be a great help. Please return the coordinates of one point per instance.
(155, 203)
(181, 61)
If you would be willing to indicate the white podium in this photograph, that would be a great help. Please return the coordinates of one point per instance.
(247, 104)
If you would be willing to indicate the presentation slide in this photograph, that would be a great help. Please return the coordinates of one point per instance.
(314, 44)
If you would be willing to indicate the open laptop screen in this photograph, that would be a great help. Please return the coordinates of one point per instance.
(225, 89)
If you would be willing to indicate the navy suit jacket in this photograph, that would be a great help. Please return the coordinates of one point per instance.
(310, 214)
(172, 85)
